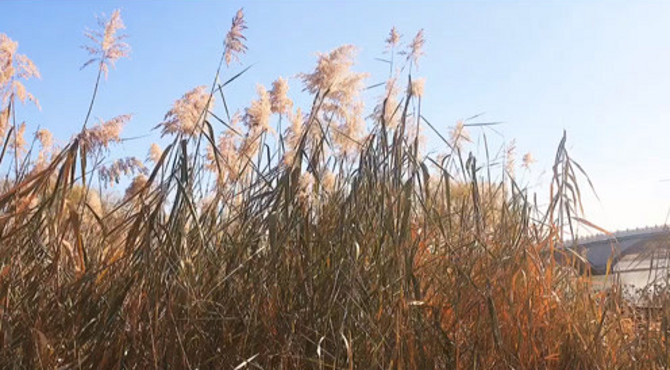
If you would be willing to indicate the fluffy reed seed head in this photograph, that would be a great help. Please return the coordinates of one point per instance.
(4, 123)
(281, 104)
(228, 145)
(15, 67)
(121, 167)
(249, 147)
(386, 109)
(234, 42)
(292, 136)
(8, 49)
(257, 115)
(45, 138)
(94, 201)
(241, 149)
(227, 162)
(341, 89)
(305, 188)
(348, 134)
(333, 73)
(187, 112)
(415, 48)
(138, 182)
(19, 142)
(416, 88)
(459, 134)
(527, 160)
(108, 47)
(393, 38)
(155, 153)
(103, 134)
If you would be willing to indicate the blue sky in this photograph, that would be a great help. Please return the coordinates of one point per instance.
(596, 69)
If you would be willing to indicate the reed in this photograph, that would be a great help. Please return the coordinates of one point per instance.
(335, 243)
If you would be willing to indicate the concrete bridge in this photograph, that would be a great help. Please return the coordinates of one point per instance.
(599, 249)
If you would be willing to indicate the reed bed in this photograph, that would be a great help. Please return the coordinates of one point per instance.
(335, 243)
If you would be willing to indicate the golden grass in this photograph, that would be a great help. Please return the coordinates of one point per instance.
(328, 247)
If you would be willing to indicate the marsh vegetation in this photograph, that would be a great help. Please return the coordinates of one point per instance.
(333, 243)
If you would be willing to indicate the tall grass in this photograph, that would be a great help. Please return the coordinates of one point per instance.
(322, 247)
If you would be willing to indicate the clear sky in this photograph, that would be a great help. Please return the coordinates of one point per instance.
(599, 70)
